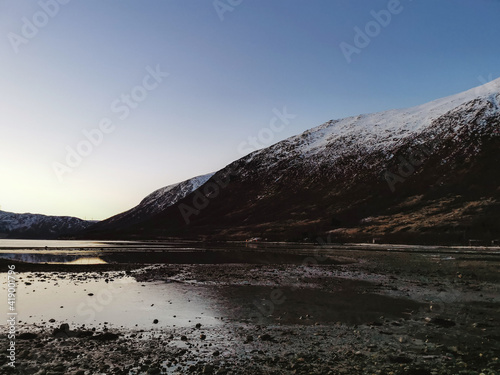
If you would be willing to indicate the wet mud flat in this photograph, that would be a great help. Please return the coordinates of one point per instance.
(353, 312)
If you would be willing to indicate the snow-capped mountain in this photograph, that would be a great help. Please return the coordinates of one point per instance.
(425, 173)
(382, 132)
(37, 226)
(154, 203)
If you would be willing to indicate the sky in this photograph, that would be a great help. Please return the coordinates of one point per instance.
(103, 102)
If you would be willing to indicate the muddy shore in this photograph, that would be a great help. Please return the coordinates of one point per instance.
(344, 312)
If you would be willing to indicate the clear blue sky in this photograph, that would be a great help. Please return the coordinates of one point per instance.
(225, 79)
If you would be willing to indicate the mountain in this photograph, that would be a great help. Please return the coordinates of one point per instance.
(153, 204)
(34, 226)
(427, 174)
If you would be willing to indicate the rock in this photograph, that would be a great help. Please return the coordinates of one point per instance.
(445, 323)
(265, 337)
(184, 338)
(6, 369)
(400, 359)
(27, 336)
(155, 321)
(63, 331)
(59, 368)
(203, 337)
(216, 353)
(83, 333)
(249, 339)
(208, 369)
(52, 320)
(418, 371)
(198, 325)
(107, 336)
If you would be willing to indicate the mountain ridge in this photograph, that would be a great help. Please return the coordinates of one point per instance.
(154, 203)
(333, 180)
(38, 226)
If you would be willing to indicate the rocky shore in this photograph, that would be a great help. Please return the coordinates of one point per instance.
(360, 312)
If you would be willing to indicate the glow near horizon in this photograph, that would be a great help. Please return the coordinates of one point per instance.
(225, 79)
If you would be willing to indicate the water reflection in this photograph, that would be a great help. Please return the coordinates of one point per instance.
(30, 244)
(350, 304)
(53, 258)
(116, 302)
(87, 260)
(153, 256)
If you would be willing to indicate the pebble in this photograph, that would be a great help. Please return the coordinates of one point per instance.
(265, 337)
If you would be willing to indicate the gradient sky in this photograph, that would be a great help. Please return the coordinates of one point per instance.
(226, 77)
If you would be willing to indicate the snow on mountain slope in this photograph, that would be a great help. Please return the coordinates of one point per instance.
(380, 131)
(164, 197)
(332, 178)
(155, 202)
(27, 225)
(336, 175)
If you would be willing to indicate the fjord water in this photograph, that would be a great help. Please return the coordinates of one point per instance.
(118, 299)
(33, 244)
(86, 252)
(51, 251)
(120, 302)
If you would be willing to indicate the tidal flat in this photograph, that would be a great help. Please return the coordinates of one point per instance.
(254, 309)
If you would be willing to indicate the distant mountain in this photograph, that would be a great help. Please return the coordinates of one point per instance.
(428, 174)
(153, 204)
(34, 226)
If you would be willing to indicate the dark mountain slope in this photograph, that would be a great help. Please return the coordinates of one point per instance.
(427, 174)
(34, 226)
(153, 204)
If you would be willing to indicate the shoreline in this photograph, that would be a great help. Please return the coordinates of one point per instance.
(442, 318)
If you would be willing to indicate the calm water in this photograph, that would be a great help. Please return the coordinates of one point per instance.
(89, 252)
(117, 302)
(31, 244)
(89, 299)
(123, 302)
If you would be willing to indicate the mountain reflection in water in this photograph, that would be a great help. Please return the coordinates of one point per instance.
(53, 258)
